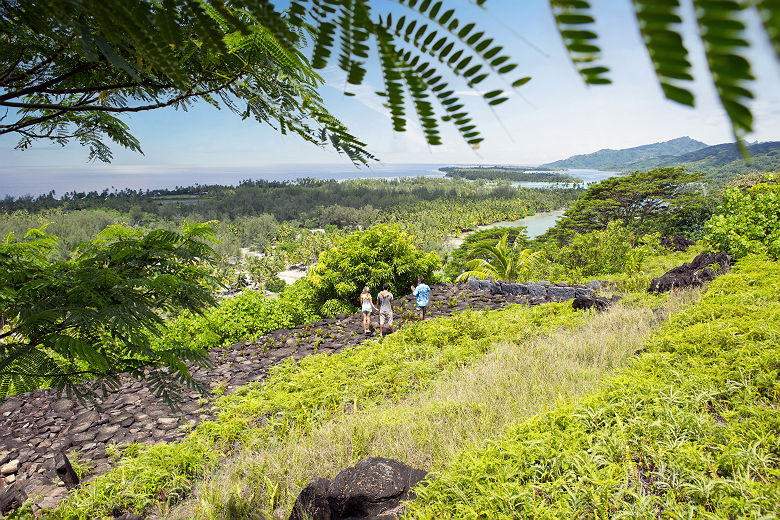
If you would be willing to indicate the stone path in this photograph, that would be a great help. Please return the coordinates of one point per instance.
(37, 425)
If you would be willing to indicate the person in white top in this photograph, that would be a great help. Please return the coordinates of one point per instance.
(366, 306)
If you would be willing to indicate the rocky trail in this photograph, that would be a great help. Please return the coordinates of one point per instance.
(37, 426)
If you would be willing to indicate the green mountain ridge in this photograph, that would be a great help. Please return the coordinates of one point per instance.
(719, 163)
(609, 158)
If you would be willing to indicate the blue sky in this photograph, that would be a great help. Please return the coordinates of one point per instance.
(552, 117)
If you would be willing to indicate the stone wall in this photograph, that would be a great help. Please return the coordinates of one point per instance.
(560, 292)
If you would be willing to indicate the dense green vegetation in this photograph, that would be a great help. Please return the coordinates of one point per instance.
(94, 316)
(618, 159)
(508, 173)
(474, 245)
(645, 202)
(273, 220)
(688, 430)
(379, 255)
(748, 221)
(501, 261)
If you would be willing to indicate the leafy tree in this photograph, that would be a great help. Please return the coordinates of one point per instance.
(94, 316)
(504, 262)
(748, 221)
(68, 67)
(644, 202)
(381, 254)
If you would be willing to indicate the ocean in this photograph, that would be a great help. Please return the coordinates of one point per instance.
(20, 181)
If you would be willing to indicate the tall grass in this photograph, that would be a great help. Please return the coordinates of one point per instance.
(523, 374)
(690, 430)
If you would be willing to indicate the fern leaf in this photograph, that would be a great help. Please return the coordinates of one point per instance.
(658, 22)
(573, 19)
(723, 34)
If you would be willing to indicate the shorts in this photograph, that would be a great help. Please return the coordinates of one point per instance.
(366, 309)
(385, 318)
(422, 309)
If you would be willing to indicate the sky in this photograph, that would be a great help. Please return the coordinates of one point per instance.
(552, 117)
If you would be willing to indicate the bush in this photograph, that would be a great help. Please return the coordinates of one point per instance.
(612, 250)
(381, 254)
(748, 221)
(333, 307)
(276, 285)
(247, 316)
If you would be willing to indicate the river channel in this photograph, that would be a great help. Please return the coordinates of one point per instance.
(535, 225)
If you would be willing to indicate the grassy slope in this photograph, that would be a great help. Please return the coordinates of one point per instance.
(297, 397)
(300, 404)
(689, 430)
(523, 374)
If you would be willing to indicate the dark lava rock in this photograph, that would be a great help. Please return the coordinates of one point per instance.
(130, 516)
(677, 243)
(561, 293)
(586, 302)
(373, 489)
(11, 498)
(691, 274)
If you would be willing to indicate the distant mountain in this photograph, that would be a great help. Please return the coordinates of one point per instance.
(719, 163)
(614, 159)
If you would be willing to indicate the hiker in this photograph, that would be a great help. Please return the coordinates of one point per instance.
(366, 306)
(421, 293)
(385, 301)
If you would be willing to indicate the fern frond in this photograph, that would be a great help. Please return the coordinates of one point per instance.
(723, 34)
(770, 15)
(658, 22)
(573, 18)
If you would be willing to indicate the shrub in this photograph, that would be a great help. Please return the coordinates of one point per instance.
(333, 307)
(247, 316)
(612, 250)
(381, 254)
(748, 221)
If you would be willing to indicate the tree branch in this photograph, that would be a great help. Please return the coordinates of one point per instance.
(39, 66)
(38, 88)
(84, 90)
(99, 108)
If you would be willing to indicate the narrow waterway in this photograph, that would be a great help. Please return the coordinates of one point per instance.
(535, 224)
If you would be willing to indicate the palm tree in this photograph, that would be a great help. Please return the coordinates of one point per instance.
(504, 262)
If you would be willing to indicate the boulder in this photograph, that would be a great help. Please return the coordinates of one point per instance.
(677, 243)
(520, 289)
(594, 285)
(561, 293)
(586, 302)
(692, 274)
(473, 283)
(579, 292)
(372, 489)
(11, 498)
(537, 290)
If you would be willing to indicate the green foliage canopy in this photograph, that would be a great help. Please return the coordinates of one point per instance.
(381, 254)
(748, 221)
(642, 201)
(94, 316)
